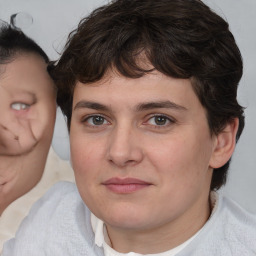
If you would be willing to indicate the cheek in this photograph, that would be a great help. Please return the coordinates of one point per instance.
(42, 118)
(87, 166)
(168, 153)
(84, 155)
(181, 159)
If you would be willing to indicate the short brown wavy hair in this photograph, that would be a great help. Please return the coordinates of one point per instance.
(180, 38)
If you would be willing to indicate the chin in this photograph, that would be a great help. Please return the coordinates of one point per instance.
(126, 221)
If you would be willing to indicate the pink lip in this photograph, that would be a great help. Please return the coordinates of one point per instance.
(126, 185)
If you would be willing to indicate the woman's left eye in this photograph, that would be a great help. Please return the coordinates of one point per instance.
(19, 106)
(159, 120)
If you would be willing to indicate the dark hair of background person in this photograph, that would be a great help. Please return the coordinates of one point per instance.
(179, 38)
(14, 42)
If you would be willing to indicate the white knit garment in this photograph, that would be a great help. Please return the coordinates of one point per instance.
(59, 224)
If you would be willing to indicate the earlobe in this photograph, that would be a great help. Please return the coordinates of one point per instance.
(225, 144)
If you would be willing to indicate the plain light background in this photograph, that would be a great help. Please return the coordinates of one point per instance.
(54, 19)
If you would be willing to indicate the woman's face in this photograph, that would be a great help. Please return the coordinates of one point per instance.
(142, 151)
(28, 107)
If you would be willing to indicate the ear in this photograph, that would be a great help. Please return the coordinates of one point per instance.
(224, 145)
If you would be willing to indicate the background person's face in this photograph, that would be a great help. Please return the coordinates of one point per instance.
(141, 151)
(27, 106)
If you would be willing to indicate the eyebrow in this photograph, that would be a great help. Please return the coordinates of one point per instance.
(24, 92)
(28, 92)
(159, 104)
(138, 108)
(91, 105)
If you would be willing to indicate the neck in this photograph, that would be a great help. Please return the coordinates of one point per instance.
(163, 238)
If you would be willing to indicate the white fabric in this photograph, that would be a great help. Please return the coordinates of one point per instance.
(102, 240)
(60, 224)
(108, 251)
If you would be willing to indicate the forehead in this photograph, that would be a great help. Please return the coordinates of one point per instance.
(27, 74)
(154, 86)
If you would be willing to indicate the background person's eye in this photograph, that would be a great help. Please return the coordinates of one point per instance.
(19, 106)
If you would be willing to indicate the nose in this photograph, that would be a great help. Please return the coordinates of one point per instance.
(124, 147)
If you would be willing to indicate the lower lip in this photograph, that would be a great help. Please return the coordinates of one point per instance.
(126, 188)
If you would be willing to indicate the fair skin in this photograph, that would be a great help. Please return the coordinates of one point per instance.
(143, 158)
(27, 103)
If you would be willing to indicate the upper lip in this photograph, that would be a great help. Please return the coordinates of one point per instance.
(124, 181)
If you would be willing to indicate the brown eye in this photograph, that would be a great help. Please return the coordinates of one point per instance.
(96, 120)
(160, 120)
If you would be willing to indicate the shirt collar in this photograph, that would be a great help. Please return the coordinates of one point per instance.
(98, 229)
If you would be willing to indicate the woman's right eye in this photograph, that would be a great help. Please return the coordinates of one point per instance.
(19, 106)
(96, 120)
